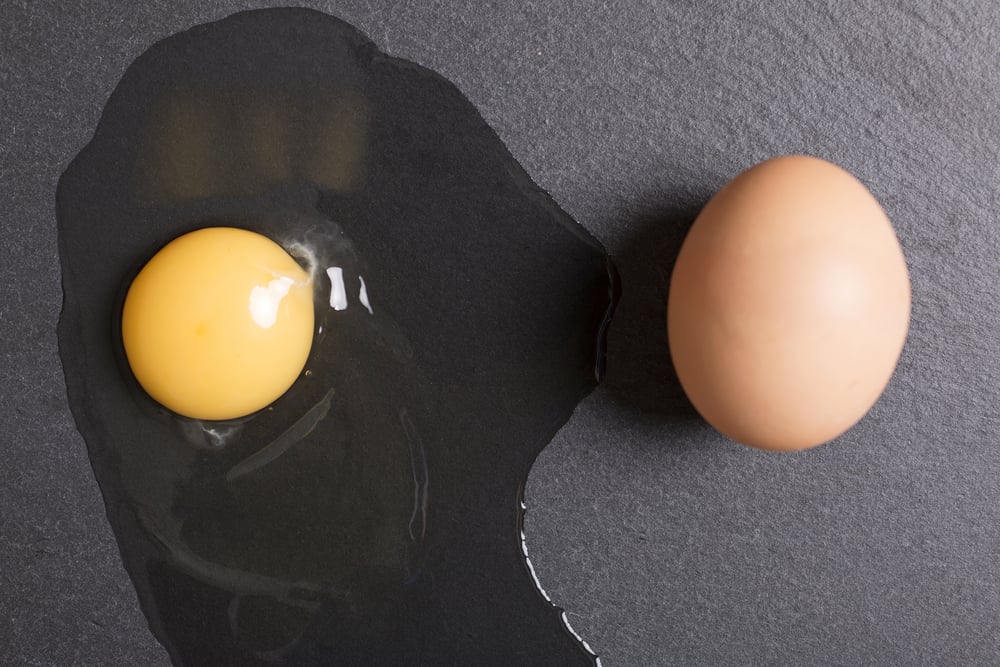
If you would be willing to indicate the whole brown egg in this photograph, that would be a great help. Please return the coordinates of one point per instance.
(789, 305)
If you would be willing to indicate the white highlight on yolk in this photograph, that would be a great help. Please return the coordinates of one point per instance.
(363, 296)
(338, 292)
(218, 324)
(265, 301)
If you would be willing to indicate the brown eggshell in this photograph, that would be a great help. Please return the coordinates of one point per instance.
(789, 305)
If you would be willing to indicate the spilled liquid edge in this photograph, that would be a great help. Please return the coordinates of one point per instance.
(116, 506)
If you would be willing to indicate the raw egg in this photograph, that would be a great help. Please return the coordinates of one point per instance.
(219, 323)
(459, 317)
(788, 305)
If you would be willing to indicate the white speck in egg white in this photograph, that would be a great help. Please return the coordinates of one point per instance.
(338, 293)
(363, 296)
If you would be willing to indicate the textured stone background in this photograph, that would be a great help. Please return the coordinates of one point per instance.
(665, 543)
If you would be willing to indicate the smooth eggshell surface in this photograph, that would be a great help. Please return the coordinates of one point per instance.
(789, 305)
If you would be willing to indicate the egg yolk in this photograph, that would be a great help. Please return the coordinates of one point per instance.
(219, 323)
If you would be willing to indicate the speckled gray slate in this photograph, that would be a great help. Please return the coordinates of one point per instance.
(666, 544)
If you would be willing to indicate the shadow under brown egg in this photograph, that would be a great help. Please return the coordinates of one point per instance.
(371, 515)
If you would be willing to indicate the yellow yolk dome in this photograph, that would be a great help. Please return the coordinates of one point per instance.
(219, 323)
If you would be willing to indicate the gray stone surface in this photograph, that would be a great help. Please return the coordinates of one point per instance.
(665, 543)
